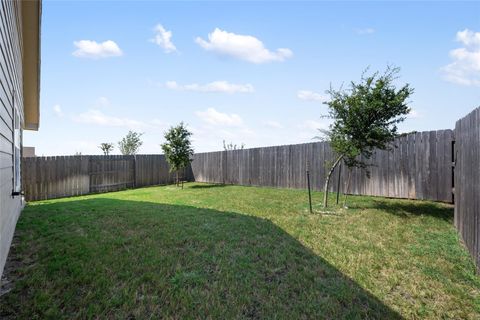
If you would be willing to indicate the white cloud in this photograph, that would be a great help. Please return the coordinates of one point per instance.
(207, 137)
(364, 31)
(469, 38)
(102, 102)
(314, 125)
(94, 50)
(58, 110)
(214, 117)
(159, 123)
(465, 68)
(310, 96)
(163, 38)
(273, 124)
(243, 47)
(414, 114)
(309, 130)
(215, 86)
(97, 117)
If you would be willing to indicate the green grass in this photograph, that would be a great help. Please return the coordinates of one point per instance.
(227, 252)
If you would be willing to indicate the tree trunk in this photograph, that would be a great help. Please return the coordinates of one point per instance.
(327, 180)
(176, 174)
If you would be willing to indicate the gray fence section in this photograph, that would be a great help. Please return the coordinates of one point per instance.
(280, 166)
(63, 176)
(55, 177)
(467, 181)
(111, 173)
(419, 166)
(152, 170)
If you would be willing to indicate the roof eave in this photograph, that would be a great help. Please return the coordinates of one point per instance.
(31, 21)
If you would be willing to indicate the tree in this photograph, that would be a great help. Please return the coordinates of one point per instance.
(106, 147)
(231, 146)
(365, 117)
(177, 148)
(131, 143)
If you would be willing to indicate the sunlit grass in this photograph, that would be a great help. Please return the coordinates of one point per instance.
(238, 252)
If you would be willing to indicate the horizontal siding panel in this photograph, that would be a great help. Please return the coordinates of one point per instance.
(5, 60)
(6, 131)
(6, 176)
(11, 56)
(5, 110)
(6, 160)
(5, 145)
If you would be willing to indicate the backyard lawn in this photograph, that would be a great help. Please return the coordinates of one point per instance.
(226, 252)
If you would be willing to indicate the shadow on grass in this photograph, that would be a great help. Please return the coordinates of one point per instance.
(111, 258)
(405, 209)
(207, 186)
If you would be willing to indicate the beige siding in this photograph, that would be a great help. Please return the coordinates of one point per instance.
(10, 83)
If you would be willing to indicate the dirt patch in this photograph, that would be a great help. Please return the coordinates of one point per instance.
(10, 271)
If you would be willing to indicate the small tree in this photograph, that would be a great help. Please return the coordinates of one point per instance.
(365, 117)
(131, 143)
(106, 147)
(177, 148)
(231, 146)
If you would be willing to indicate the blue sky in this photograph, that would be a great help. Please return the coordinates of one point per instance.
(252, 72)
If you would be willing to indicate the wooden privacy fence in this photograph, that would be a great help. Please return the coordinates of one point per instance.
(419, 166)
(64, 176)
(467, 182)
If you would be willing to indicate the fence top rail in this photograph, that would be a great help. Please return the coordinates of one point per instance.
(470, 114)
(99, 156)
(229, 151)
(400, 136)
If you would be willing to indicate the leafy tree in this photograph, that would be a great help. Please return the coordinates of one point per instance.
(131, 143)
(231, 146)
(177, 148)
(365, 117)
(106, 147)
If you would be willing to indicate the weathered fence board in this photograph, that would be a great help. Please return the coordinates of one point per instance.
(63, 176)
(467, 181)
(111, 173)
(416, 167)
(55, 177)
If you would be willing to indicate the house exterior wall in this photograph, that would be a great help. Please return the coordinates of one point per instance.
(11, 117)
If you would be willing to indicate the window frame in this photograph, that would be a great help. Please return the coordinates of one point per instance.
(16, 148)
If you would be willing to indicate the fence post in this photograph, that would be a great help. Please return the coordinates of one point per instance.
(134, 170)
(338, 180)
(225, 167)
(454, 161)
(309, 192)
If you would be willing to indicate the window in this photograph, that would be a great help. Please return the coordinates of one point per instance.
(17, 145)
